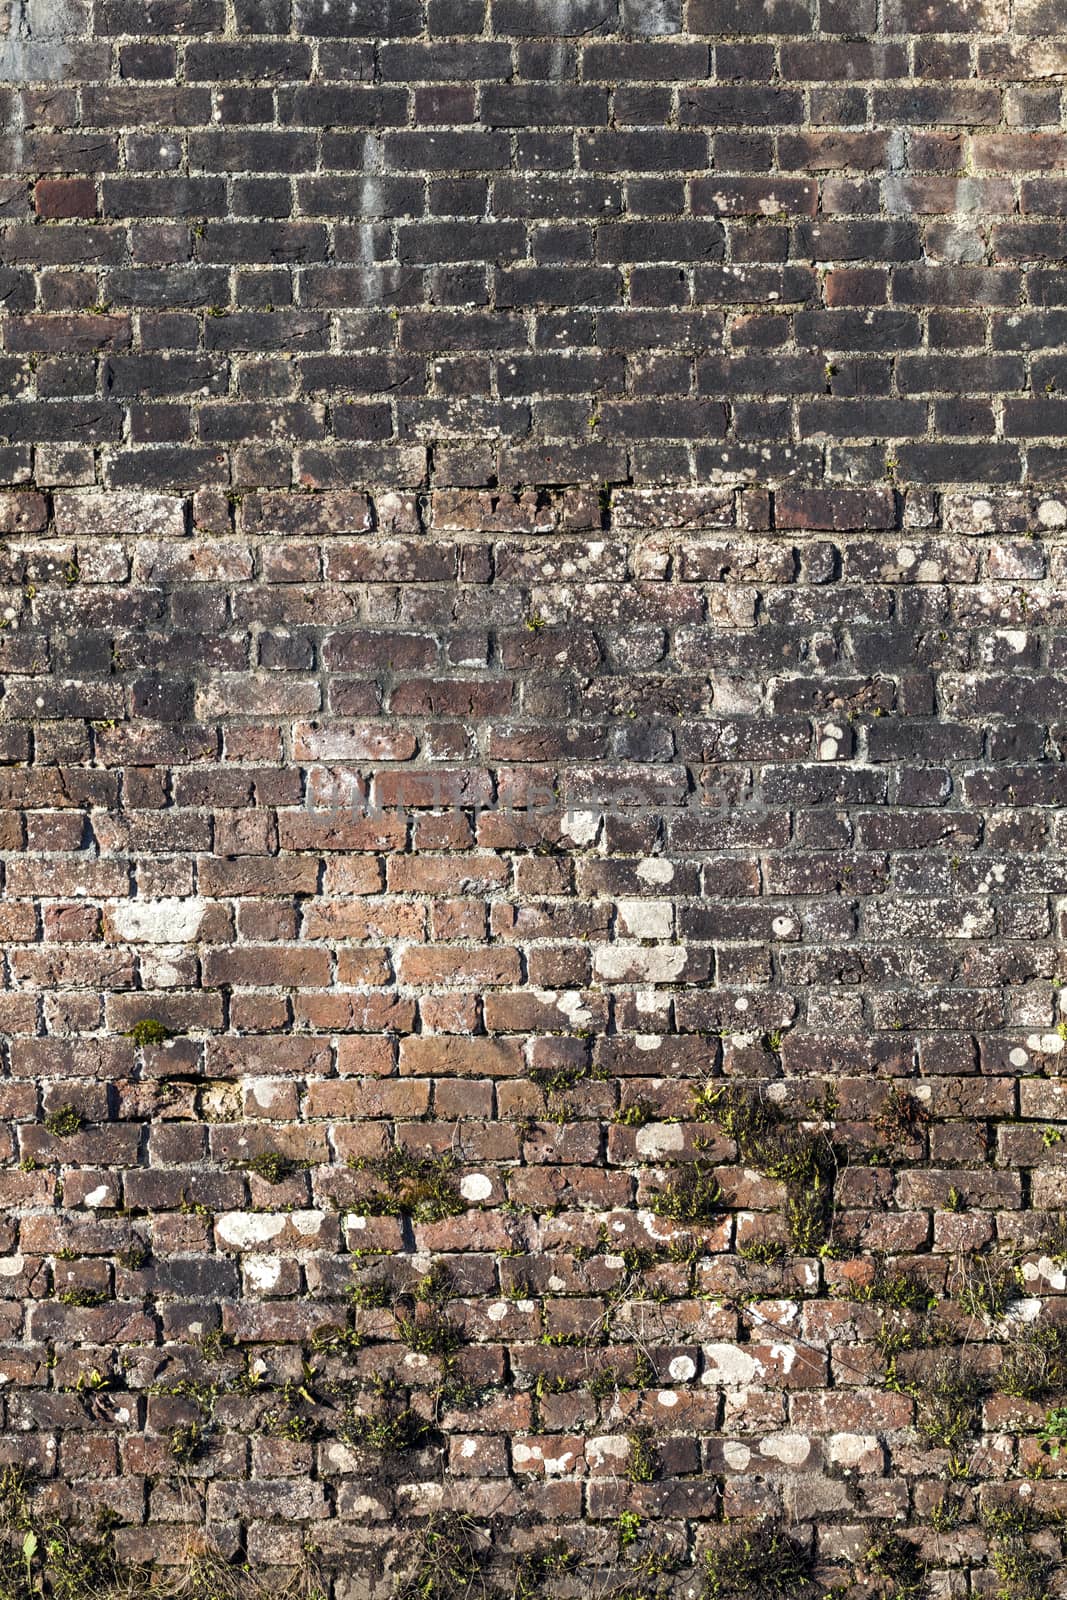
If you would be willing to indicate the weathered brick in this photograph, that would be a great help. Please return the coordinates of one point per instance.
(534, 538)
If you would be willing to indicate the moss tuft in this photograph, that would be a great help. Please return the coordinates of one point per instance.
(757, 1562)
(64, 1122)
(641, 1464)
(148, 1031)
(271, 1166)
(422, 1187)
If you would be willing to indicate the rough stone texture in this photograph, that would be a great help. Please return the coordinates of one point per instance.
(532, 598)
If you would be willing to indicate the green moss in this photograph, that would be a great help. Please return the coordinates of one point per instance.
(692, 1193)
(641, 1458)
(896, 1289)
(759, 1562)
(148, 1031)
(896, 1563)
(429, 1336)
(947, 1402)
(1035, 1362)
(272, 1166)
(64, 1122)
(421, 1187)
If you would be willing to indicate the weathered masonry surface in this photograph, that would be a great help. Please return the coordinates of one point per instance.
(533, 816)
(255, 243)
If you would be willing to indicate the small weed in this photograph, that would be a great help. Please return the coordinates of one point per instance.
(1021, 1570)
(766, 1252)
(947, 1403)
(1053, 1239)
(804, 1161)
(436, 1288)
(1036, 1362)
(742, 1116)
(51, 1559)
(213, 1345)
(388, 1430)
(447, 1561)
(945, 1515)
(901, 1117)
(335, 1339)
(636, 1113)
(82, 1297)
(429, 1336)
(371, 1296)
(187, 1442)
(297, 1428)
(135, 1256)
(92, 1382)
(627, 1529)
(1053, 1431)
(641, 1461)
(895, 1289)
(559, 1080)
(896, 1562)
(535, 1568)
(691, 1194)
(986, 1288)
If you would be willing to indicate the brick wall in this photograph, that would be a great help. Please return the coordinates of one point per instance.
(388, 241)
(532, 837)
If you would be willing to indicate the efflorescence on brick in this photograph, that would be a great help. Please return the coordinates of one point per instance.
(532, 550)
(532, 1031)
